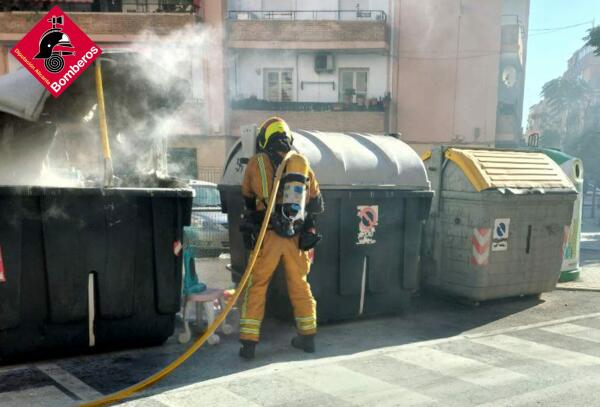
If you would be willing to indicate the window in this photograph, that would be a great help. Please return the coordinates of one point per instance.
(278, 85)
(353, 82)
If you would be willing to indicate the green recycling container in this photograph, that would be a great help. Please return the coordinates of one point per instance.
(573, 168)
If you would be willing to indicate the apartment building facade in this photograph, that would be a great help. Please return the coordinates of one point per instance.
(431, 71)
(458, 71)
(324, 65)
(584, 66)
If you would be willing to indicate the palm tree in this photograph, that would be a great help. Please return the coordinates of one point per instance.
(593, 39)
(567, 101)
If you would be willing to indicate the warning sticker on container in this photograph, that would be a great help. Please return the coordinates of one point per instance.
(2, 273)
(369, 216)
(481, 246)
(501, 233)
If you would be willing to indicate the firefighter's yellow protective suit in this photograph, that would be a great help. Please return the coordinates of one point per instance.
(258, 181)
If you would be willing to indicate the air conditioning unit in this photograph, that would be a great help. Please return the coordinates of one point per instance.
(243, 16)
(323, 63)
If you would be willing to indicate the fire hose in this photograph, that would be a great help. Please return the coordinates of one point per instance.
(144, 384)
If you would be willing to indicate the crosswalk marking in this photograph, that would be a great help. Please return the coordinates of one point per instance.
(202, 395)
(529, 349)
(457, 367)
(542, 397)
(575, 331)
(354, 387)
(70, 382)
(47, 396)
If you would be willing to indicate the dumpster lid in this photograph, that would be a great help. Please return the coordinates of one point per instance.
(22, 95)
(487, 169)
(350, 160)
(560, 157)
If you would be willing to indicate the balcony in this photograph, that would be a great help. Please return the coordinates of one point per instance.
(113, 27)
(118, 6)
(308, 30)
(324, 15)
(373, 105)
(512, 37)
(368, 117)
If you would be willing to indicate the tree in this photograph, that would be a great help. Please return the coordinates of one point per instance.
(550, 138)
(593, 39)
(567, 101)
(562, 93)
(586, 147)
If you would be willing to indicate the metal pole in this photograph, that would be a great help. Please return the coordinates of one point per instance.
(108, 167)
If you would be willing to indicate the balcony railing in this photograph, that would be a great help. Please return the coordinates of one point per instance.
(373, 105)
(117, 6)
(325, 15)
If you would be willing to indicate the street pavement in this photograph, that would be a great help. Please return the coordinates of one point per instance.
(514, 352)
(551, 364)
(502, 353)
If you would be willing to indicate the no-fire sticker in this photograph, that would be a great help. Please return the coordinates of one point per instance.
(367, 225)
(56, 51)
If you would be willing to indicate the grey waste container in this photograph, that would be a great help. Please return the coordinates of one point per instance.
(497, 223)
(376, 196)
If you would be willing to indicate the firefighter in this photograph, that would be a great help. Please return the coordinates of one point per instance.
(290, 235)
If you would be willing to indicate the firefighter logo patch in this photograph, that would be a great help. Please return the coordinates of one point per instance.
(56, 51)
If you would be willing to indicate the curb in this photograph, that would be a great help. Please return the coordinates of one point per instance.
(590, 289)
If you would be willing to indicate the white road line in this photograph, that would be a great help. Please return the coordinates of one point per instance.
(529, 349)
(70, 382)
(286, 366)
(457, 367)
(532, 326)
(14, 368)
(356, 388)
(575, 331)
(47, 396)
(540, 396)
(205, 396)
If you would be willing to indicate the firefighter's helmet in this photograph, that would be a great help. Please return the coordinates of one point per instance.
(51, 39)
(273, 128)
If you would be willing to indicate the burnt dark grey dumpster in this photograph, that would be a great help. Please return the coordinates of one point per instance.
(53, 239)
(376, 196)
(120, 245)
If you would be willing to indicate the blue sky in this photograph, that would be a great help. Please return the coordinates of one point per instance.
(548, 51)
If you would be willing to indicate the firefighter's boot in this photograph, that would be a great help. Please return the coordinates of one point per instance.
(247, 349)
(304, 342)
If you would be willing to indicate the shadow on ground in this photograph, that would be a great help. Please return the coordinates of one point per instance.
(427, 318)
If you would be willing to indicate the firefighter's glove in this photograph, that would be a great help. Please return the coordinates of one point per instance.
(309, 239)
(250, 227)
